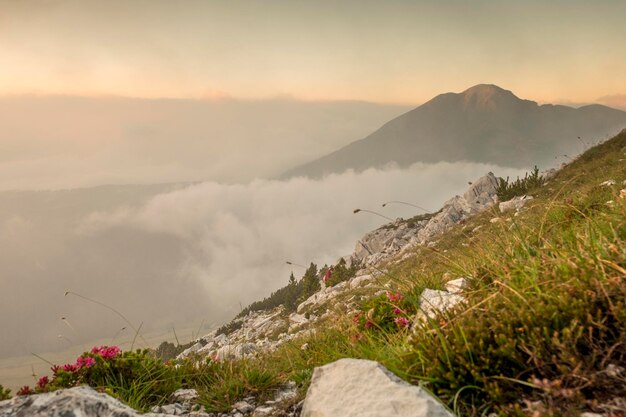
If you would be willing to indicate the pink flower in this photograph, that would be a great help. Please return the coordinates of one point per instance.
(85, 362)
(43, 381)
(55, 369)
(397, 311)
(356, 318)
(394, 297)
(369, 324)
(401, 321)
(69, 367)
(25, 390)
(106, 351)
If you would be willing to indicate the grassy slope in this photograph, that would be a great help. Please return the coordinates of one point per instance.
(542, 331)
(546, 311)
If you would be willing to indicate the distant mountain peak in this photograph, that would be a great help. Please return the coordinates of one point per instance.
(483, 124)
(487, 94)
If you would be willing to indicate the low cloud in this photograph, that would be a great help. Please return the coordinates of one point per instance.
(200, 252)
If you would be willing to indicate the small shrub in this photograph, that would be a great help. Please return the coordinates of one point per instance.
(519, 187)
(5, 393)
(341, 272)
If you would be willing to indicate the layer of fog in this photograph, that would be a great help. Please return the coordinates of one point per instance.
(165, 256)
(52, 142)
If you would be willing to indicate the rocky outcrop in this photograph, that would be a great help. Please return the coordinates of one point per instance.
(390, 239)
(362, 388)
(260, 331)
(74, 402)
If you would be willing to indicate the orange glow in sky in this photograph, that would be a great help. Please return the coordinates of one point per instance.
(396, 52)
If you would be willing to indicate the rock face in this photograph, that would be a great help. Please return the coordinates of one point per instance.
(400, 235)
(75, 402)
(361, 388)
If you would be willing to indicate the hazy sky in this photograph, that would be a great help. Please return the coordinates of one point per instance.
(383, 51)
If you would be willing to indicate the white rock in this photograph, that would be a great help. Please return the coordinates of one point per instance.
(192, 349)
(515, 203)
(362, 388)
(455, 286)
(296, 318)
(243, 406)
(263, 411)
(433, 302)
(360, 280)
(184, 395)
(287, 392)
(81, 401)
(607, 183)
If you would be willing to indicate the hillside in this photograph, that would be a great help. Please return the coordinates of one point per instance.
(482, 124)
(513, 307)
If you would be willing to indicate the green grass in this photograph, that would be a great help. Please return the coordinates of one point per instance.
(545, 312)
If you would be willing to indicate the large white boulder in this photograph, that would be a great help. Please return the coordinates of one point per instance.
(362, 388)
(79, 402)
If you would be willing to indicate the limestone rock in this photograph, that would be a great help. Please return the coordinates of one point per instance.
(456, 285)
(433, 302)
(81, 401)
(362, 388)
(243, 407)
(184, 395)
(516, 203)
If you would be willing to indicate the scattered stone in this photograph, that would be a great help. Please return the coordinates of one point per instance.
(362, 388)
(607, 183)
(243, 406)
(172, 409)
(263, 412)
(287, 392)
(494, 220)
(588, 414)
(184, 395)
(516, 203)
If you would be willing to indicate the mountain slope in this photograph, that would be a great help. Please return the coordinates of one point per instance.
(482, 124)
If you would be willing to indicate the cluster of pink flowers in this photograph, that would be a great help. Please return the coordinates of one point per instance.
(401, 321)
(85, 362)
(106, 352)
(394, 297)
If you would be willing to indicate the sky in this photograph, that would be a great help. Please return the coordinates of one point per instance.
(389, 52)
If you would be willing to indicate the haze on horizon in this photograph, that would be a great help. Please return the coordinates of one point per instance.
(565, 51)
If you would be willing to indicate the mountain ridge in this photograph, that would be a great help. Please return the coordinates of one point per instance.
(485, 124)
